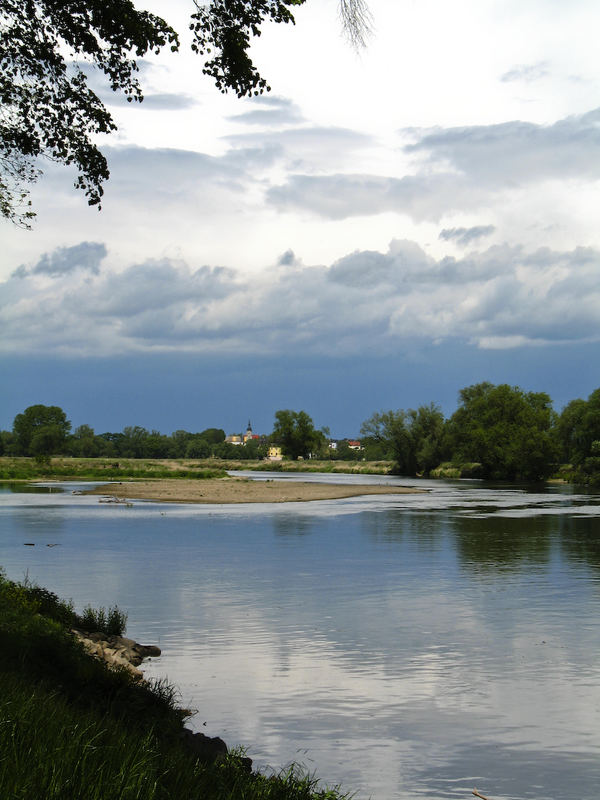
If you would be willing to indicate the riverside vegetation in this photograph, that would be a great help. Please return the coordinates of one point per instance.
(72, 728)
(104, 469)
(498, 432)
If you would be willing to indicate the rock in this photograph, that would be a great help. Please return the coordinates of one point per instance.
(207, 749)
(117, 651)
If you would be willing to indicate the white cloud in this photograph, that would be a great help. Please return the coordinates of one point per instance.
(526, 73)
(460, 170)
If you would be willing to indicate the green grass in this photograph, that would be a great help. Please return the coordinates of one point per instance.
(13, 468)
(71, 728)
(311, 465)
(451, 469)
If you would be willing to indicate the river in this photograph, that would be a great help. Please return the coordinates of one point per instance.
(404, 646)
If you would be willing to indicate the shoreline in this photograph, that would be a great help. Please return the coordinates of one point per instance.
(225, 491)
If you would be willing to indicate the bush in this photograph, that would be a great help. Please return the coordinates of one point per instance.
(50, 605)
(112, 623)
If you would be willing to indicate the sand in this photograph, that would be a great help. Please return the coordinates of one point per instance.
(239, 490)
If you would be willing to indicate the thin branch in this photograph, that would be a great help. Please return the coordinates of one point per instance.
(482, 796)
(356, 22)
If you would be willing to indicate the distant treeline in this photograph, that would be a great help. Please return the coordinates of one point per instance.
(45, 430)
(497, 431)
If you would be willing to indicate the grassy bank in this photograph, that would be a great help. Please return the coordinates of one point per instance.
(314, 465)
(72, 728)
(450, 469)
(65, 468)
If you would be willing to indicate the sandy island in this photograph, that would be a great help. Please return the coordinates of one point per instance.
(239, 490)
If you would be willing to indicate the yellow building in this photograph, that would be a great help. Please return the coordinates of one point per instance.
(274, 452)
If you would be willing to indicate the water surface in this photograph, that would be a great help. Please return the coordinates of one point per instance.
(406, 646)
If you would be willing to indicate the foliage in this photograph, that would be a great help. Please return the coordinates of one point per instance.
(295, 432)
(48, 49)
(37, 599)
(343, 452)
(578, 435)
(104, 469)
(213, 435)
(412, 438)
(41, 430)
(48, 108)
(112, 623)
(223, 29)
(506, 430)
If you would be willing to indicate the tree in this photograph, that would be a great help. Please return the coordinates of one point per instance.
(213, 435)
(47, 107)
(180, 440)
(427, 428)
(413, 438)
(132, 443)
(198, 448)
(508, 431)
(569, 431)
(578, 434)
(7, 443)
(344, 452)
(41, 430)
(295, 432)
(84, 443)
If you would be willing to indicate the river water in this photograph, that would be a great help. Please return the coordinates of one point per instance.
(403, 646)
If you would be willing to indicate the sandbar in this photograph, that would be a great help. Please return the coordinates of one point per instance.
(239, 490)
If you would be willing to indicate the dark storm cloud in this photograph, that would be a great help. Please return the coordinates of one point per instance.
(367, 300)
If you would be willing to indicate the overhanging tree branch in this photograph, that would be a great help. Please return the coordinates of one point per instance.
(47, 109)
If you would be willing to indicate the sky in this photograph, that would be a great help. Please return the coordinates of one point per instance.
(380, 230)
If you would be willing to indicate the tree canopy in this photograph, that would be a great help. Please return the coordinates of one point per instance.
(506, 430)
(578, 434)
(41, 430)
(47, 108)
(413, 438)
(295, 432)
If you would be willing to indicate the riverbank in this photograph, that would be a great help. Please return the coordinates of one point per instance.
(73, 727)
(240, 490)
(73, 468)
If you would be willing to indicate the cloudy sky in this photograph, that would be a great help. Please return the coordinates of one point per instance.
(377, 232)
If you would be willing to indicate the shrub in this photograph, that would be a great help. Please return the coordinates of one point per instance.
(112, 623)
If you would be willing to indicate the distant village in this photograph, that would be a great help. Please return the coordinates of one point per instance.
(274, 451)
